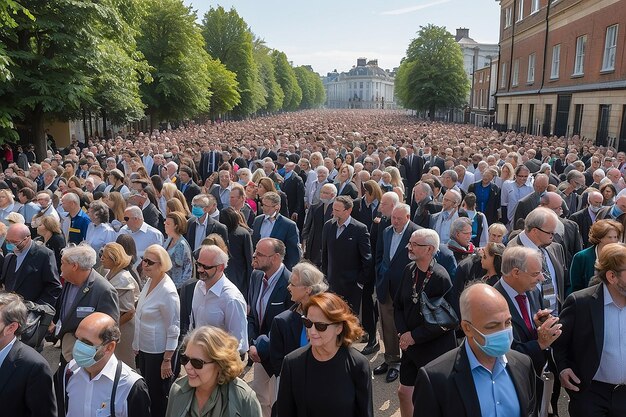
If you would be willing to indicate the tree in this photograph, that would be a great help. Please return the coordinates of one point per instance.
(229, 39)
(431, 76)
(274, 95)
(286, 78)
(313, 94)
(224, 88)
(172, 43)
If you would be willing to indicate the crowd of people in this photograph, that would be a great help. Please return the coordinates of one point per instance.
(173, 259)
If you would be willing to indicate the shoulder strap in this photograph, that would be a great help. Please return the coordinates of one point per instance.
(116, 381)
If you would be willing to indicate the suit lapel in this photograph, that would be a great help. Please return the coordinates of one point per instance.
(596, 307)
(9, 366)
(558, 269)
(82, 292)
(404, 240)
(465, 383)
(517, 318)
(517, 375)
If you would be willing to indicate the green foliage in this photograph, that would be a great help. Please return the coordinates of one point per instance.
(172, 44)
(432, 77)
(313, 93)
(286, 78)
(229, 39)
(224, 88)
(273, 93)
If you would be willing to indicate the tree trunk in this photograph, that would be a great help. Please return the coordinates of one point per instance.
(104, 124)
(431, 114)
(39, 133)
(84, 125)
(90, 125)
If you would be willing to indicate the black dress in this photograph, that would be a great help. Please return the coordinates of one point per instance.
(340, 386)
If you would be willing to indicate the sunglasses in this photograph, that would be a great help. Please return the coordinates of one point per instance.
(196, 363)
(320, 327)
(148, 262)
(205, 267)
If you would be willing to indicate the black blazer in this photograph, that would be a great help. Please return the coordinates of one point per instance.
(349, 189)
(294, 190)
(413, 171)
(26, 384)
(493, 201)
(584, 222)
(423, 219)
(279, 301)
(212, 226)
(286, 332)
(186, 300)
(284, 229)
(204, 169)
(56, 243)
(153, 217)
(345, 260)
(445, 387)
(190, 192)
(240, 264)
(37, 280)
(312, 232)
(580, 345)
(389, 270)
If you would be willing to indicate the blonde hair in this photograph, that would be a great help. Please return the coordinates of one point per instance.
(118, 256)
(162, 256)
(119, 205)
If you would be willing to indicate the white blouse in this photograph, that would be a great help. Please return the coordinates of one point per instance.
(157, 320)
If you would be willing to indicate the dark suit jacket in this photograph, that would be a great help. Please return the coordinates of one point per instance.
(37, 280)
(186, 301)
(445, 387)
(583, 220)
(153, 217)
(525, 205)
(240, 262)
(580, 345)
(279, 301)
(423, 219)
(347, 259)
(284, 229)
(523, 340)
(493, 201)
(96, 294)
(212, 226)
(413, 171)
(389, 270)
(204, 169)
(215, 192)
(286, 332)
(26, 384)
(437, 162)
(312, 232)
(190, 192)
(294, 189)
(349, 189)
(571, 240)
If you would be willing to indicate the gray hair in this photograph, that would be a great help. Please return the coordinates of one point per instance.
(457, 195)
(321, 168)
(599, 172)
(200, 199)
(430, 237)
(404, 207)
(82, 255)
(459, 224)
(537, 218)
(135, 212)
(221, 257)
(517, 257)
(450, 173)
(100, 211)
(311, 277)
(71, 198)
(13, 310)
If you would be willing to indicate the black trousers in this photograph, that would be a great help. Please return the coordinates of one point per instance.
(369, 312)
(149, 365)
(599, 400)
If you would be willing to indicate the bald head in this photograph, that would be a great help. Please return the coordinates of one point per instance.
(18, 231)
(480, 300)
(97, 322)
(541, 183)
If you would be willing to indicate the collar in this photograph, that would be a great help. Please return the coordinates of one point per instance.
(271, 217)
(4, 352)
(275, 275)
(346, 223)
(523, 237)
(403, 229)
(143, 228)
(215, 288)
(108, 371)
(473, 360)
(511, 292)
(206, 219)
(608, 300)
(145, 203)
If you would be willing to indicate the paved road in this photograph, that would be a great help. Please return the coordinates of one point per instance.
(385, 395)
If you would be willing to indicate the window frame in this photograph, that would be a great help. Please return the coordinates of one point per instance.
(515, 75)
(610, 49)
(530, 77)
(556, 63)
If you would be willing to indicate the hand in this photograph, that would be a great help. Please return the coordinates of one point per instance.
(294, 217)
(254, 355)
(568, 379)
(51, 327)
(406, 340)
(541, 316)
(166, 370)
(548, 332)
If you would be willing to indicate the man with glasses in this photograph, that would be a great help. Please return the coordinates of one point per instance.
(216, 300)
(587, 216)
(96, 382)
(268, 297)
(142, 233)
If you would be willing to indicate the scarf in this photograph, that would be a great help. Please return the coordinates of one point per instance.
(454, 246)
(216, 405)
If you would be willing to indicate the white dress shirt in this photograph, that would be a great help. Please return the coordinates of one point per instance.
(144, 237)
(100, 235)
(157, 318)
(611, 369)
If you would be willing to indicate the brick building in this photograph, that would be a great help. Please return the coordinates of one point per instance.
(562, 68)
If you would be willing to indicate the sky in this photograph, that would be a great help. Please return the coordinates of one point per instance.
(331, 35)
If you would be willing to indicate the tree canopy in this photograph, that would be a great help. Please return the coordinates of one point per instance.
(431, 76)
(286, 78)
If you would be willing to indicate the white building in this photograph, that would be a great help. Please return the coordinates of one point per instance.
(365, 86)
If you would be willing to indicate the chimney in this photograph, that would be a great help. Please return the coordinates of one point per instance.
(360, 62)
(461, 33)
(373, 62)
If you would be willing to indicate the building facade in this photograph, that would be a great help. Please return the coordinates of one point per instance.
(562, 68)
(365, 86)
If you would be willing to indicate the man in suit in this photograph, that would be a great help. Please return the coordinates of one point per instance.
(238, 202)
(413, 166)
(201, 224)
(483, 374)
(538, 234)
(26, 387)
(487, 195)
(588, 357)
(434, 160)
(29, 269)
(186, 185)
(528, 203)
(391, 259)
(441, 222)
(423, 205)
(273, 224)
(316, 216)
(346, 253)
(209, 162)
(567, 231)
(139, 197)
(157, 166)
(267, 298)
(293, 187)
(221, 190)
(586, 217)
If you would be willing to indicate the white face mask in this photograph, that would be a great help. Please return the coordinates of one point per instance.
(595, 209)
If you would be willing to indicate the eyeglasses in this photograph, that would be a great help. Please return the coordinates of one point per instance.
(196, 363)
(414, 244)
(544, 231)
(319, 326)
(257, 255)
(205, 267)
(534, 274)
(148, 262)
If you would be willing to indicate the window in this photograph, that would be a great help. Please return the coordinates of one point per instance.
(515, 76)
(556, 60)
(535, 5)
(503, 76)
(579, 68)
(520, 10)
(508, 17)
(531, 68)
(610, 45)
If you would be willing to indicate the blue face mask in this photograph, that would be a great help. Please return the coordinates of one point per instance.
(84, 354)
(10, 247)
(615, 212)
(498, 343)
(197, 211)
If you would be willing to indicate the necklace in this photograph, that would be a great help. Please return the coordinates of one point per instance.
(429, 272)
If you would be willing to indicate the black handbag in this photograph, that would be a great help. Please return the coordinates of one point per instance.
(437, 312)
